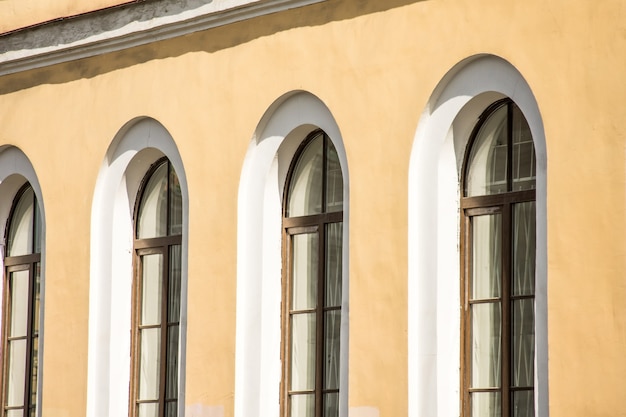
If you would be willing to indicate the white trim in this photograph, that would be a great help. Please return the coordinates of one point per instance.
(257, 359)
(15, 171)
(137, 145)
(124, 27)
(434, 272)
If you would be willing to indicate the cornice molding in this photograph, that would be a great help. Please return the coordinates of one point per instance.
(125, 26)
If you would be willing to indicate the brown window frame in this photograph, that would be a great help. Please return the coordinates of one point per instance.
(12, 264)
(293, 226)
(152, 246)
(473, 206)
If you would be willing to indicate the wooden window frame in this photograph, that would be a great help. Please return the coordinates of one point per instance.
(30, 263)
(152, 246)
(503, 204)
(293, 226)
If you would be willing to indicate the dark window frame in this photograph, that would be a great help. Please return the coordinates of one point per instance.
(472, 206)
(293, 226)
(30, 263)
(160, 245)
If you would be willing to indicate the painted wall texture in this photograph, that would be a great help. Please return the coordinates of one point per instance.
(374, 64)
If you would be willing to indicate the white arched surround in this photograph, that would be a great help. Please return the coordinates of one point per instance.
(15, 171)
(137, 145)
(434, 259)
(258, 368)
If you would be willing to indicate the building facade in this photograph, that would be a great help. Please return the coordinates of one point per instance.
(238, 208)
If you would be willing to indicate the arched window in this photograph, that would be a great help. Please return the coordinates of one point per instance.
(498, 247)
(313, 236)
(21, 306)
(157, 293)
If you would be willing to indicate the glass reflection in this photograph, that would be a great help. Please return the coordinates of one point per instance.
(151, 289)
(304, 271)
(171, 409)
(152, 218)
(303, 351)
(487, 172)
(305, 192)
(148, 410)
(20, 239)
(334, 244)
(485, 404)
(149, 359)
(302, 405)
(486, 345)
(523, 330)
(524, 162)
(524, 236)
(176, 204)
(331, 404)
(486, 256)
(334, 180)
(171, 383)
(16, 373)
(173, 296)
(19, 303)
(523, 404)
(332, 335)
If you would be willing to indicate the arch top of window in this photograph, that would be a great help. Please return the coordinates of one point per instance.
(502, 154)
(316, 181)
(24, 232)
(160, 207)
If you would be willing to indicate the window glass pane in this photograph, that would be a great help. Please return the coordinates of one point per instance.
(171, 383)
(305, 190)
(15, 413)
(486, 256)
(34, 363)
(148, 410)
(334, 180)
(486, 354)
(332, 333)
(38, 226)
(149, 360)
(171, 409)
(331, 404)
(523, 344)
(523, 404)
(152, 219)
(151, 284)
(173, 294)
(487, 173)
(334, 243)
(486, 404)
(20, 240)
(524, 236)
(303, 351)
(524, 163)
(15, 382)
(176, 205)
(304, 271)
(36, 300)
(19, 303)
(303, 405)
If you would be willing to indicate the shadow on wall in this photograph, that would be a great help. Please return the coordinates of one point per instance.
(212, 40)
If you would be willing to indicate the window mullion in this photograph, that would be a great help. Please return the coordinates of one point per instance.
(509, 147)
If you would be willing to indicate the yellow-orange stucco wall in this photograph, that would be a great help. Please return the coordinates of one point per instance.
(375, 65)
